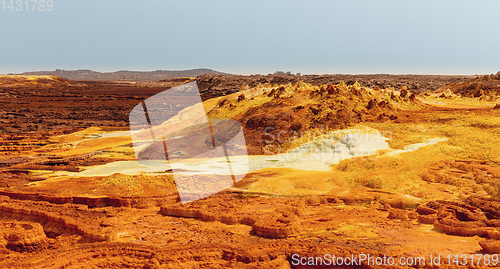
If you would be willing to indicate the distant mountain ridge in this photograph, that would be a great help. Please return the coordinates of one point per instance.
(124, 74)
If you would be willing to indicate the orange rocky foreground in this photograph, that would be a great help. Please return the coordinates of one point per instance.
(229, 230)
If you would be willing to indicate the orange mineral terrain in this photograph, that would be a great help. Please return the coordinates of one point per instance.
(339, 174)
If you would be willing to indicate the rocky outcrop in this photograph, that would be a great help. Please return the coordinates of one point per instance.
(286, 111)
(490, 246)
(475, 216)
(455, 227)
(472, 173)
(282, 222)
(22, 236)
(212, 85)
(104, 201)
(395, 213)
(53, 222)
(483, 86)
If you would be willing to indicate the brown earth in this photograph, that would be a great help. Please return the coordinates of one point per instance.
(284, 112)
(57, 221)
(213, 85)
(227, 230)
(52, 104)
(484, 86)
(294, 111)
(124, 74)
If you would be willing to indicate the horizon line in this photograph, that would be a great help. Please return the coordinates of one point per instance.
(254, 73)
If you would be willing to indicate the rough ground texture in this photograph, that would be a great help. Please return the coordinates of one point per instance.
(282, 112)
(212, 85)
(441, 199)
(124, 75)
(227, 230)
(484, 86)
(51, 103)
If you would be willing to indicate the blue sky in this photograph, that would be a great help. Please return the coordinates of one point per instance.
(245, 37)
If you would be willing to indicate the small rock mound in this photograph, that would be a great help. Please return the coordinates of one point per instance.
(22, 236)
(281, 223)
(395, 213)
(490, 246)
(475, 216)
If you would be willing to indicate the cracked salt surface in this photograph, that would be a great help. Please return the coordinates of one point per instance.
(337, 146)
(334, 147)
(315, 155)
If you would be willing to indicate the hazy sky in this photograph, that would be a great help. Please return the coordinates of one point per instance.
(386, 36)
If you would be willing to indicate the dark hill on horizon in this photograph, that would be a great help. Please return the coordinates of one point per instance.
(123, 74)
